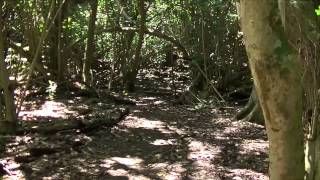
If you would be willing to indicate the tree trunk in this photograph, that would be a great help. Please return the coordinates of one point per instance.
(252, 112)
(277, 78)
(8, 122)
(308, 36)
(132, 74)
(60, 47)
(90, 48)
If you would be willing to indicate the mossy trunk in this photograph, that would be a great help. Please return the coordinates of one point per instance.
(277, 78)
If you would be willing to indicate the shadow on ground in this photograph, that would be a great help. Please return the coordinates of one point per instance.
(157, 140)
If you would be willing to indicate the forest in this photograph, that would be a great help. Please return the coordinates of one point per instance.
(155, 89)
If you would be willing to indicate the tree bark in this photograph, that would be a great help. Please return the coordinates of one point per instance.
(90, 47)
(60, 48)
(8, 123)
(308, 36)
(277, 78)
(132, 74)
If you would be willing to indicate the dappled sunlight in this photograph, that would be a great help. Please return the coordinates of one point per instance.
(122, 166)
(171, 129)
(12, 146)
(137, 111)
(10, 164)
(159, 142)
(52, 109)
(154, 102)
(132, 162)
(129, 166)
(243, 150)
(158, 102)
(138, 122)
(148, 98)
(170, 171)
(239, 174)
(231, 129)
(125, 175)
(175, 144)
(118, 172)
(157, 139)
(200, 151)
(253, 146)
(129, 90)
(159, 125)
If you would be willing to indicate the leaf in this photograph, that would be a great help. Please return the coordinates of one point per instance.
(317, 11)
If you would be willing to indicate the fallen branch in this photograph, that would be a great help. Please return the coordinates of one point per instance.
(52, 127)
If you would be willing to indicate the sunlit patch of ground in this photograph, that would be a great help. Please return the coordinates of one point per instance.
(137, 122)
(52, 109)
(214, 146)
(157, 143)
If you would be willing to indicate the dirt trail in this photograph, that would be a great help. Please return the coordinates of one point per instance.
(157, 140)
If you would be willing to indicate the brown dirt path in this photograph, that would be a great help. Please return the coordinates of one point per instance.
(157, 140)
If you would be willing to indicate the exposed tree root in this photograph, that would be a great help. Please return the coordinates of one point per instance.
(252, 112)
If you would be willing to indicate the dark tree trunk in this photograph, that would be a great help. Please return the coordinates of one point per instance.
(90, 49)
(8, 116)
(132, 74)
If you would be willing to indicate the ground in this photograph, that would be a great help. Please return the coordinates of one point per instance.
(158, 139)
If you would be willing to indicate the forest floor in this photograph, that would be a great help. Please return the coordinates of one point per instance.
(158, 139)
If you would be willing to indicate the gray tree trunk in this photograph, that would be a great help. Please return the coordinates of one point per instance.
(277, 78)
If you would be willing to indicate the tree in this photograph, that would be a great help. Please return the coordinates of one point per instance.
(277, 78)
(252, 111)
(132, 74)
(90, 47)
(8, 117)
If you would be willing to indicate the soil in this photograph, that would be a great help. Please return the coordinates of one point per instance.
(159, 139)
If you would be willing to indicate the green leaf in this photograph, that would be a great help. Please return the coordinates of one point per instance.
(317, 11)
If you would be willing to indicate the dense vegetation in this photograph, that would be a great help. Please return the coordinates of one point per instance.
(194, 53)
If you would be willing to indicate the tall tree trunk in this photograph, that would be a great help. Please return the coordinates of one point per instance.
(308, 35)
(90, 47)
(60, 60)
(277, 78)
(132, 75)
(9, 122)
(54, 38)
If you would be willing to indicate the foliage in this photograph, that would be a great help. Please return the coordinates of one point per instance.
(207, 30)
(317, 11)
